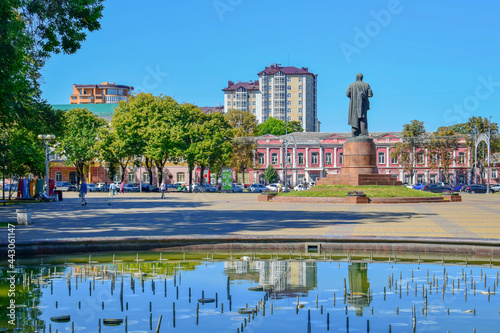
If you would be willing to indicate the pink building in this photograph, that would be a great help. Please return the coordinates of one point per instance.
(310, 156)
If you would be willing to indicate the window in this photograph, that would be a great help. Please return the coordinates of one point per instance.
(308, 79)
(394, 160)
(289, 103)
(58, 176)
(181, 177)
(301, 158)
(300, 102)
(288, 79)
(289, 110)
(328, 158)
(289, 95)
(261, 159)
(131, 177)
(146, 177)
(420, 178)
(461, 157)
(494, 173)
(300, 79)
(288, 158)
(254, 103)
(112, 92)
(341, 158)
(80, 91)
(420, 158)
(300, 118)
(120, 91)
(314, 158)
(289, 87)
(300, 87)
(253, 110)
(300, 110)
(300, 95)
(274, 158)
(381, 158)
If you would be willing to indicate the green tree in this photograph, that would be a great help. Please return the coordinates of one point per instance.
(441, 147)
(413, 136)
(278, 127)
(79, 139)
(244, 125)
(106, 150)
(270, 174)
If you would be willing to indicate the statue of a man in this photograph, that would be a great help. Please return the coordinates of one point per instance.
(359, 92)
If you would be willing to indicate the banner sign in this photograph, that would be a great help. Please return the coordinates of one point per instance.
(227, 179)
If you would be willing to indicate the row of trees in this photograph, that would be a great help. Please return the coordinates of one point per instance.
(152, 130)
(440, 145)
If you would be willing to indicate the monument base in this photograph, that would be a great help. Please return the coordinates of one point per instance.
(360, 166)
(359, 179)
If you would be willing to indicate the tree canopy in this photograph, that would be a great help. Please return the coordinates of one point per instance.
(278, 127)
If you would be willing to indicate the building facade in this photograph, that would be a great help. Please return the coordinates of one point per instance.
(104, 93)
(305, 157)
(285, 93)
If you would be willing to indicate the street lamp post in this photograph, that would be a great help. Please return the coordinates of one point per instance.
(46, 138)
(489, 149)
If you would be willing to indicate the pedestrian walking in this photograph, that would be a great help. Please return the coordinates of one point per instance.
(112, 189)
(163, 187)
(83, 192)
(122, 187)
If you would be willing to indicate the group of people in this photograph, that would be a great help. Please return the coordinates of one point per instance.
(114, 189)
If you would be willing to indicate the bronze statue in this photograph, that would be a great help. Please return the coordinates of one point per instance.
(359, 92)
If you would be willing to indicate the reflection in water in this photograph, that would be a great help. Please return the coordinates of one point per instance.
(429, 297)
(280, 278)
(360, 294)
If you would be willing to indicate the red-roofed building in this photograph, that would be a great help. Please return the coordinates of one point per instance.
(286, 93)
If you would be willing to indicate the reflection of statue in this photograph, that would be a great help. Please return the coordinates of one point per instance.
(359, 92)
(359, 295)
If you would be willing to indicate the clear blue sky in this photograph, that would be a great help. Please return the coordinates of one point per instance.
(435, 61)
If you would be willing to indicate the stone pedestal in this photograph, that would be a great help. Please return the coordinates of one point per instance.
(23, 216)
(360, 166)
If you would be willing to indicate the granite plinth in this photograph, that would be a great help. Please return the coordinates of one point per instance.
(359, 179)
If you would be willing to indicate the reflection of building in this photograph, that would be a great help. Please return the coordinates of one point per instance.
(282, 278)
(359, 295)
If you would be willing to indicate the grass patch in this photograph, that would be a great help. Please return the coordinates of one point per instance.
(19, 201)
(371, 191)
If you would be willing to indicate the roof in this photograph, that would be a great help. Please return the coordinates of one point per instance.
(251, 85)
(104, 111)
(99, 86)
(210, 109)
(273, 69)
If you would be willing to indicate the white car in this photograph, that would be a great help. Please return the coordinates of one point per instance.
(273, 187)
(495, 188)
(299, 187)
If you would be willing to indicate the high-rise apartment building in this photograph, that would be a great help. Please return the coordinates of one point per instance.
(104, 93)
(243, 96)
(286, 93)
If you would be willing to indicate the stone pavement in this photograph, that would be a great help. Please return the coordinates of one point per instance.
(187, 215)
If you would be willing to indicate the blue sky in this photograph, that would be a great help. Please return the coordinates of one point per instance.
(435, 61)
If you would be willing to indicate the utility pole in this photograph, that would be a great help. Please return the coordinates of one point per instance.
(489, 149)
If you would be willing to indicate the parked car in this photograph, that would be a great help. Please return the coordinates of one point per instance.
(407, 185)
(65, 186)
(103, 186)
(93, 188)
(10, 187)
(418, 186)
(131, 188)
(273, 187)
(495, 188)
(149, 188)
(458, 188)
(237, 189)
(209, 188)
(256, 188)
(299, 187)
(475, 188)
(437, 188)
